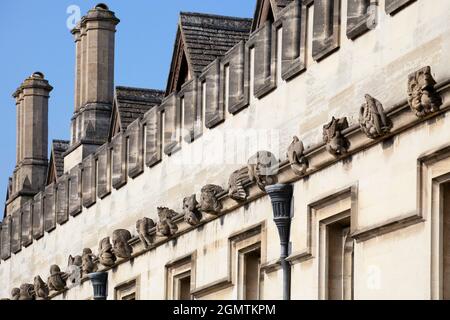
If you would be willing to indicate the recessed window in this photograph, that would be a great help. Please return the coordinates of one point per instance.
(127, 291)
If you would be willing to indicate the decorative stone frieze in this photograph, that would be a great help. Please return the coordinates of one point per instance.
(422, 96)
(296, 157)
(336, 143)
(373, 121)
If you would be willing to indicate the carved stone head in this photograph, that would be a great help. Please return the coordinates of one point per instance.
(422, 96)
(209, 201)
(296, 157)
(263, 168)
(55, 270)
(120, 240)
(190, 210)
(15, 294)
(336, 143)
(26, 292)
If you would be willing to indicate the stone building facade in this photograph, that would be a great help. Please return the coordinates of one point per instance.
(187, 193)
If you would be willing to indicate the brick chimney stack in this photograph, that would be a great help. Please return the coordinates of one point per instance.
(32, 139)
(94, 82)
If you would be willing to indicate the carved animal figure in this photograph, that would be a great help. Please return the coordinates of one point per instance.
(106, 255)
(87, 262)
(336, 143)
(74, 269)
(121, 248)
(57, 279)
(15, 294)
(190, 210)
(209, 201)
(26, 292)
(296, 157)
(372, 118)
(236, 189)
(165, 226)
(40, 289)
(143, 227)
(262, 169)
(422, 96)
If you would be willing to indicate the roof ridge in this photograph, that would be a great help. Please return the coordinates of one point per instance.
(210, 15)
(138, 88)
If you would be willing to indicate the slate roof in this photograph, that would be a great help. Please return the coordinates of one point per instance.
(276, 5)
(208, 36)
(58, 149)
(132, 103)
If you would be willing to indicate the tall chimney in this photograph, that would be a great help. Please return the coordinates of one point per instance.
(32, 139)
(94, 84)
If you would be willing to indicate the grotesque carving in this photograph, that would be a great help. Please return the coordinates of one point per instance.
(372, 118)
(262, 169)
(41, 290)
(74, 268)
(236, 190)
(87, 261)
(209, 201)
(106, 255)
(26, 292)
(121, 248)
(57, 279)
(423, 98)
(296, 157)
(143, 227)
(336, 143)
(165, 226)
(15, 294)
(190, 209)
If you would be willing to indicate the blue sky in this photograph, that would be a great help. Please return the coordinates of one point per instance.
(34, 37)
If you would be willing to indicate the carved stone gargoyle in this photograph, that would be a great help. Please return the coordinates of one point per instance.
(373, 121)
(121, 248)
(209, 201)
(143, 227)
(165, 226)
(41, 289)
(422, 96)
(74, 268)
(236, 190)
(26, 292)
(106, 255)
(262, 169)
(190, 210)
(15, 294)
(87, 262)
(57, 279)
(336, 143)
(296, 157)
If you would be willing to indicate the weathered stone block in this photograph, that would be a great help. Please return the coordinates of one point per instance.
(119, 161)
(6, 238)
(27, 226)
(237, 97)
(103, 157)
(394, 6)
(209, 88)
(153, 134)
(38, 217)
(135, 137)
(62, 197)
(264, 60)
(361, 17)
(294, 34)
(187, 100)
(88, 187)
(16, 232)
(327, 22)
(172, 124)
(74, 184)
(49, 208)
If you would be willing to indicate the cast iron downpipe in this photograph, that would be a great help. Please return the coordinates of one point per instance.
(281, 196)
(99, 282)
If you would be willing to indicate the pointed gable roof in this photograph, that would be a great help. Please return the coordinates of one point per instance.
(131, 104)
(267, 10)
(201, 38)
(56, 163)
